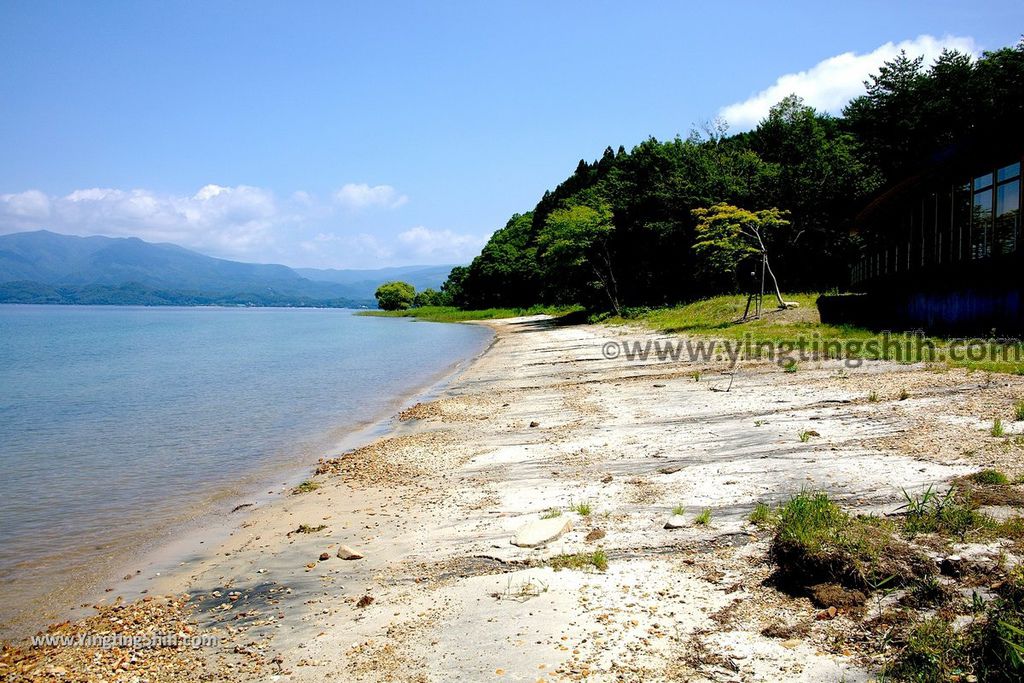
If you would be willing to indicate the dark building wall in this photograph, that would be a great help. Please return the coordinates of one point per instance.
(943, 253)
(972, 299)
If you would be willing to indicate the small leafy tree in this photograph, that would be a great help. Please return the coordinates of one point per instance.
(428, 297)
(395, 296)
(727, 235)
(576, 238)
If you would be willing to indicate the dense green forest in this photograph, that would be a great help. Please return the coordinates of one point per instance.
(620, 231)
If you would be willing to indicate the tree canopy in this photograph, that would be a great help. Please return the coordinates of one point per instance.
(395, 296)
(621, 231)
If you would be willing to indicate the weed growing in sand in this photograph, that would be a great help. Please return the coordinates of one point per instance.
(678, 510)
(697, 374)
(306, 487)
(530, 588)
(583, 509)
(790, 366)
(931, 512)
(307, 529)
(991, 645)
(759, 423)
(997, 428)
(704, 518)
(581, 561)
(993, 477)
(873, 397)
(551, 513)
(805, 436)
(904, 394)
(763, 515)
(1018, 411)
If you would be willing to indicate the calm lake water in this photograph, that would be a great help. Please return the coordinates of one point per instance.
(119, 423)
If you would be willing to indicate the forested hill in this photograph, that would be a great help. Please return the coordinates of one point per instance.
(620, 229)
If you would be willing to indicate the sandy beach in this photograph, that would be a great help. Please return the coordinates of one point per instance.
(543, 432)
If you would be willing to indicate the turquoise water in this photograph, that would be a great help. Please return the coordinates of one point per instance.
(118, 423)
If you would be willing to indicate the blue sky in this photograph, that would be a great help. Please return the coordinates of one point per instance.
(362, 135)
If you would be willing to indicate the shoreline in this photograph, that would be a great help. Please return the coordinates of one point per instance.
(175, 540)
(540, 421)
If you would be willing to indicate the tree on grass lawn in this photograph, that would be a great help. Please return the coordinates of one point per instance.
(395, 296)
(727, 235)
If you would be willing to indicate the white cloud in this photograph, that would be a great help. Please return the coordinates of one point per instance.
(245, 222)
(830, 84)
(24, 209)
(361, 196)
(225, 220)
(426, 243)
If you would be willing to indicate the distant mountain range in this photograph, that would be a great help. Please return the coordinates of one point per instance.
(45, 267)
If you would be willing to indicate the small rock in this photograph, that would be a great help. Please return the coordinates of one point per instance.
(595, 535)
(828, 614)
(535, 424)
(541, 531)
(670, 469)
(791, 643)
(675, 522)
(365, 601)
(606, 479)
(346, 553)
(325, 556)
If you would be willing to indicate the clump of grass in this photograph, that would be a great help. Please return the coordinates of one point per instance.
(991, 477)
(873, 397)
(763, 515)
(931, 512)
(580, 561)
(759, 423)
(306, 487)
(704, 518)
(904, 394)
(697, 374)
(307, 529)
(678, 510)
(933, 651)
(790, 365)
(997, 428)
(817, 542)
(991, 645)
(584, 509)
(551, 513)
(805, 436)
(1018, 411)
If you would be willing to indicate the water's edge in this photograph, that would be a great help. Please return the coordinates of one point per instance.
(169, 553)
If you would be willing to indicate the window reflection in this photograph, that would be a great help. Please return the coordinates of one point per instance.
(1007, 216)
(1007, 172)
(981, 182)
(981, 224)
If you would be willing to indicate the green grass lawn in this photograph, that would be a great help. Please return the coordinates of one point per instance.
(450, 314)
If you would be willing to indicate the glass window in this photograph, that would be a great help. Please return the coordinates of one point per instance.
(1007, 172)
(983, 181)
(981, 224)
(1008, 216)
(962, 221)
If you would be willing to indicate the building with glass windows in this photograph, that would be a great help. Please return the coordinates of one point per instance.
(943, 252)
